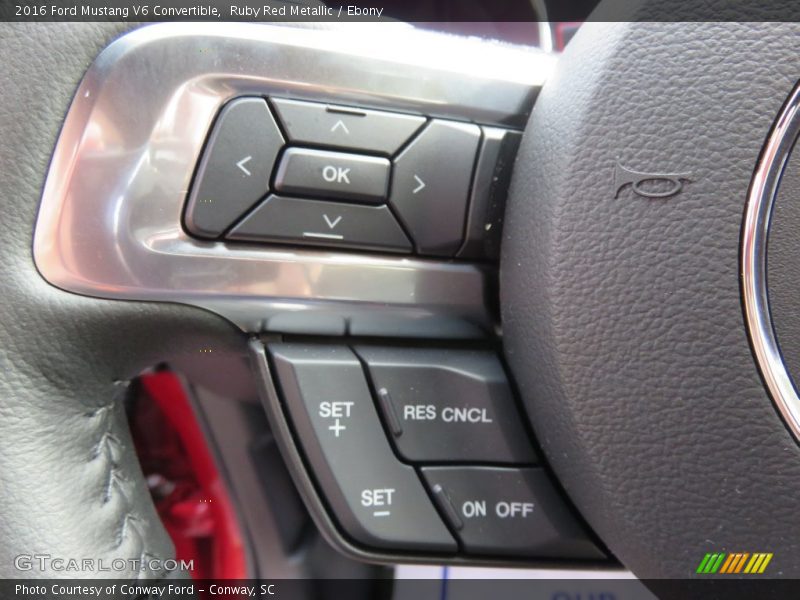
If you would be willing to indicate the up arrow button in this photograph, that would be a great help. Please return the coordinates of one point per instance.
(340, 126)
(346, 127)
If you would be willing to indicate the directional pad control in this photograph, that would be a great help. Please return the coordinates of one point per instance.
(308, 173)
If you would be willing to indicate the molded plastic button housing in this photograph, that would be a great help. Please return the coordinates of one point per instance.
(354, 177)
(508, 511)
(430, 185)
(489, 191)
(377, 500)
(447, 405)
(236, 167)
(346, 127)
(314, 222)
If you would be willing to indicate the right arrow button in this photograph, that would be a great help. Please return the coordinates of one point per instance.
(431, 185)
(419, 187)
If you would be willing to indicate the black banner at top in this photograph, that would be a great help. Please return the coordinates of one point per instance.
(400, 10)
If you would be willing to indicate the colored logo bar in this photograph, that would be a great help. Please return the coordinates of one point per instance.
(735, 562)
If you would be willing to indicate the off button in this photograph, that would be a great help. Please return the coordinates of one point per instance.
(508, 511)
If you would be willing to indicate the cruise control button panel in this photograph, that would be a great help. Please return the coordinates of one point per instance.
(447, 405)
(285, 220)
(236, 166)
(508, 511)
(378, 500)
(421, 451)
(439, 184)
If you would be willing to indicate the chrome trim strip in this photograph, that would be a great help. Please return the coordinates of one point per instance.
(754, 262)
(109, 223)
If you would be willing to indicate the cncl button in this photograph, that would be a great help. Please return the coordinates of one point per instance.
(508, 511)
(448, 405)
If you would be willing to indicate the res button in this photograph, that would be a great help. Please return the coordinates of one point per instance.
(235, 168)
(447, 405)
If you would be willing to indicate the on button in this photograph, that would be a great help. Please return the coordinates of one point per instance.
(508, 511)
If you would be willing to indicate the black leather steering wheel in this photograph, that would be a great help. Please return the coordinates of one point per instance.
(622, 308)
(623, 312)
(72, 485)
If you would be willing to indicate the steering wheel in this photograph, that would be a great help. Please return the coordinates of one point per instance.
(654, 362)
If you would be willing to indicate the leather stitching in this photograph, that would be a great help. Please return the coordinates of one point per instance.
(109, 447)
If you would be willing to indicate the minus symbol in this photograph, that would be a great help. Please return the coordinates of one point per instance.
(324, 236)
(381, 513)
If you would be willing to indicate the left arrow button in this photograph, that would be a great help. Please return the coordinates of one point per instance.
(235, 168)
(241, 164)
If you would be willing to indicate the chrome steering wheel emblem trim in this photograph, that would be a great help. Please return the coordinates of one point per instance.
(755, 235)
(110, 220)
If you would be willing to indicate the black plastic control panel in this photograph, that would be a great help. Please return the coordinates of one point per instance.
(294, 172)
(423, 451)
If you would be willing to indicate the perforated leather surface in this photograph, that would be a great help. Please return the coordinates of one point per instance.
(623, 317)
(71, 484)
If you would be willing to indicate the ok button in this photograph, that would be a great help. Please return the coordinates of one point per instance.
(333, 175)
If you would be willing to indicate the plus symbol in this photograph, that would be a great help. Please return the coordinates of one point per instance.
(336, 428)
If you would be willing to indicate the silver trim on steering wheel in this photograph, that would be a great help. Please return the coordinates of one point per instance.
(110, 220)
(754, 262)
